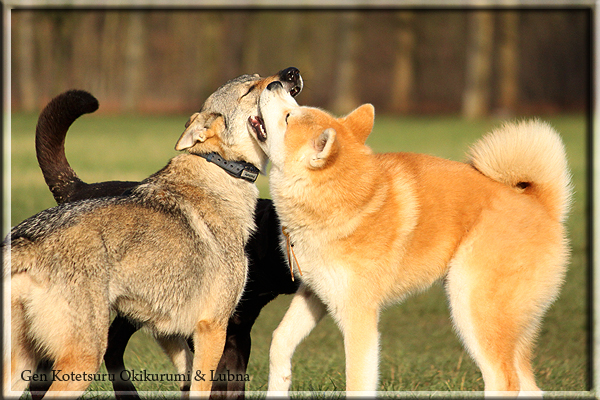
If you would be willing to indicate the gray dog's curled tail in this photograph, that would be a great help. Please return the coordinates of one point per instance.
(530, 157)
(53, 123)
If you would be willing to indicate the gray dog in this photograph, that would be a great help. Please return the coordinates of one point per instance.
(169, 255)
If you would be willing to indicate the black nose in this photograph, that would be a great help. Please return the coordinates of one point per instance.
(291, 74)
(274, 85)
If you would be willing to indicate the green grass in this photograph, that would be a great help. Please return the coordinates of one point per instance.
(419, 350)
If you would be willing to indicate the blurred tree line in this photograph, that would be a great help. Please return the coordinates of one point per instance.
(474, 62)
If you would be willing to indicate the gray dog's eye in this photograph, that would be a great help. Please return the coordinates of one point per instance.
(249, 90)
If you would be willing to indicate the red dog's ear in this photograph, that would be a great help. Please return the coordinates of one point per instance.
(199, 128)
(360, 121)
(324, 148)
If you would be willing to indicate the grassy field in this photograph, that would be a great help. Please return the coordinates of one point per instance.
(419, 350)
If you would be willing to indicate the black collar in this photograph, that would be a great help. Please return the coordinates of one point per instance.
(237, 169)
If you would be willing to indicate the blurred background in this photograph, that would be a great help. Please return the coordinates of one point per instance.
(439, 79)
(469, 62)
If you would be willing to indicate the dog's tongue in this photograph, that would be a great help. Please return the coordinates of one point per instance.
(258, 125)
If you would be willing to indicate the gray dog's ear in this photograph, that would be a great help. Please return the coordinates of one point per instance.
(199, 128)
(324, 146)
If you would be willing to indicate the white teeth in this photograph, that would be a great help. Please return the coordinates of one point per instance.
(259, 127)
(262, 133)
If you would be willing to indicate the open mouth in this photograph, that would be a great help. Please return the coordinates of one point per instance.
(258, 125)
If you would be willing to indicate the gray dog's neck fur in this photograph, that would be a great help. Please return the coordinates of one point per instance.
(192, 171)
(192, 179)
